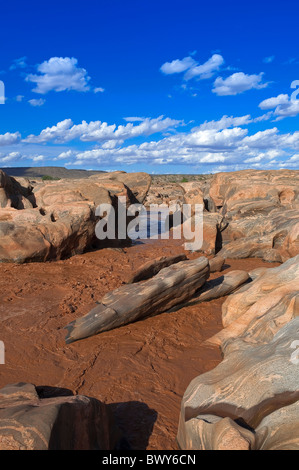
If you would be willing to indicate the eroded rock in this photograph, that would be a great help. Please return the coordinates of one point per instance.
(30, 422)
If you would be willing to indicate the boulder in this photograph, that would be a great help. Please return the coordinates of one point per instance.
(28, 421)
(209, 432)
(248, 386)
(131, 302)
(212, 226)
(279, 430)
(216, 288)
(216, 264)
(256, 313)
(151, 268)
(261, 217)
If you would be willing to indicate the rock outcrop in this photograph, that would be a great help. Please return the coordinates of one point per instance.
(58, 218)
(247, 214)
(219, 287)
(260, 210)
(250, 400)
(151, 268)
(30, 421)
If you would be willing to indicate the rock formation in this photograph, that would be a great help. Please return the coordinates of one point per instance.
(171, 286)
(151, 268)
(56, 219)
(250, 400)
(29, 421)
(247, 214)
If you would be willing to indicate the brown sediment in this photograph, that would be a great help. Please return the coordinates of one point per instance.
(141, 369)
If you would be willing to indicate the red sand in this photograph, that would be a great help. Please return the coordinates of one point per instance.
(142, 369)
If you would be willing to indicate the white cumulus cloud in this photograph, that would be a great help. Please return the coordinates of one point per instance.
(178, 66)
(238, 83)
(59, 74)
(97, 131)
(9, 138)
(283, 106)
(192, 68)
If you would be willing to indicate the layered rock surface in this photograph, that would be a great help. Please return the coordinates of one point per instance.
(31, 421)
(171, 286)
(247, 214)
(250, 400)
(57, 219)
(260, 212)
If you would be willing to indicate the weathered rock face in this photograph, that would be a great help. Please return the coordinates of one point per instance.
(248, 386)
(212, 227)
(193, 193)
(151, 268)
(273, 236)
(30, 422)
(244, 191)
(169, 193)
(216, 288)
(250, 401)
(258, 310)
(57, 219)
(216, 264)
(15, 193)
(261, 212)
(247, 213)
(176, 194)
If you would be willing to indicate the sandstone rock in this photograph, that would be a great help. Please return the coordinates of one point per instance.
(193, 194)
(171, 286)
(261, 217)
(284, 276)
(138, 184)
(30, 422)
(216, 264)
(257, 313)
(279, 430)
(15, 192)
(273, 237)
(170, 194)
(211, 229)
(57, 219)
(221, 286)
(216, 288)
(151, 268)
(258, 189)
(249, 385)
(208, 432)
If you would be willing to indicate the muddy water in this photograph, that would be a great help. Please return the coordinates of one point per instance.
(140, 370)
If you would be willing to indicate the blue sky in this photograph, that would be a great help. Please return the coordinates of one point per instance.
(145, 85)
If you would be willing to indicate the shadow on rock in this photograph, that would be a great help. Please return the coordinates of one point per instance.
(136, 422)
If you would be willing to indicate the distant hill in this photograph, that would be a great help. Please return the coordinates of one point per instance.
(53, 171)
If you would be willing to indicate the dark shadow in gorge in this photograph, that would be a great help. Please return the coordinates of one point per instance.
(136, 421)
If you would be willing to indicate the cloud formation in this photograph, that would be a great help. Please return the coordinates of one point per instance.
(283, 106)
(238, 83)
(9, 138)
(59, 74)
(193, 68)
(97, 131)
(218, 145)
(37, 102)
